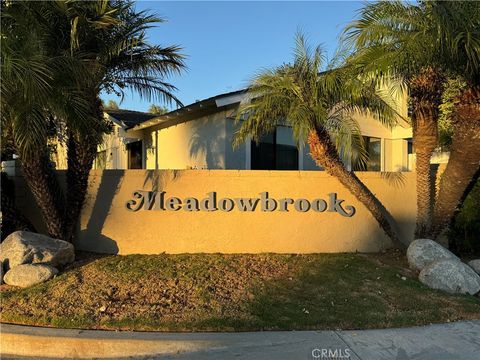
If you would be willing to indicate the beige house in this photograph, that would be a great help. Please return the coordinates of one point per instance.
(199, 136)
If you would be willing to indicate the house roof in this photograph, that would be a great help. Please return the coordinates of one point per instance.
(195, 109)
(130, 118)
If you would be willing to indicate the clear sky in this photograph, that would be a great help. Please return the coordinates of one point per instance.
(227, 42)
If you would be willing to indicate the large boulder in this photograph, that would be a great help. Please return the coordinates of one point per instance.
(475, 265)
(29, 274)
(452, 276)
(423, 252)
(24, 247)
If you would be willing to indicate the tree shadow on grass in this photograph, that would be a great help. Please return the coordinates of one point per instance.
(348, 291)
(325, 292)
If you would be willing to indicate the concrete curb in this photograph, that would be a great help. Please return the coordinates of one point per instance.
(26, 341)
(459, 340)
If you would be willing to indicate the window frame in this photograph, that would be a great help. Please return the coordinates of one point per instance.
(255, 150)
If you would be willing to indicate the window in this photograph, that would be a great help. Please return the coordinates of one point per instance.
(135, 155)
(410, 149)
(410, 154)
(101, 160)
(275, 151)
(374, 153)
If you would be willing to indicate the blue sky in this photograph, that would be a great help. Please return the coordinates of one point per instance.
(227, 42)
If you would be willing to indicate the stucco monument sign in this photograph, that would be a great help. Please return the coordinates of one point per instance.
(159, 201)
(230, 211)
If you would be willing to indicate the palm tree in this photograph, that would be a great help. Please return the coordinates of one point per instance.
(34, 83)
(78, 50)
(422, 44)
(460, 57)
(386, 41)
(319, 107)
(120, 58)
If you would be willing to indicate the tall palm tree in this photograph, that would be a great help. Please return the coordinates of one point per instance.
(390, 38)
(33, 84)
(422, 44)
(119, 57)
(320, 107)
(79, 50)
(460, 57)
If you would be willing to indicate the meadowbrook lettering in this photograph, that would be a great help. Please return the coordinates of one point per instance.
(158, 200)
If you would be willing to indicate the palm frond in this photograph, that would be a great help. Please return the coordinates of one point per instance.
(406, 37)
(309, 94)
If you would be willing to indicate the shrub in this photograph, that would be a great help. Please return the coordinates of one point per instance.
(464, 234)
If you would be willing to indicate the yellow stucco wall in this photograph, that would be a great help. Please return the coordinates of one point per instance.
(107, 226)
(206, 143)
(194, 144)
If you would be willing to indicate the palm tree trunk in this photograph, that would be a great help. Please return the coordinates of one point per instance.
(41, 179)
(425, 95)
(464, 161)
(81, 151)
(325, 155)
(425, 140)
(80, 159)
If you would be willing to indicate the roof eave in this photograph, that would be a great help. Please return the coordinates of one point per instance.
(204, 106)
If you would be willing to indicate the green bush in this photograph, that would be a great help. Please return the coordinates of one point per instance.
(464, 234)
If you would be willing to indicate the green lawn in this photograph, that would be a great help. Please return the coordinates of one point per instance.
(214, 292)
